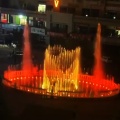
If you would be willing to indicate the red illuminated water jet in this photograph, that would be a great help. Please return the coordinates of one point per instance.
(27, 61)
(98, 67)
(61, 74)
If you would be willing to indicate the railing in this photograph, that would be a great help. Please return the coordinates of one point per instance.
(76, 18)
(111, 41)
(21, 11)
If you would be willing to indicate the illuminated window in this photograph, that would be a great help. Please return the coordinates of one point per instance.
(118, 31)
(4, 18)
(23, 20)
(31, 21)
(41, 8)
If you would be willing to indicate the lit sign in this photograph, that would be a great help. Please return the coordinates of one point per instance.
(56, 2)
(39, 31)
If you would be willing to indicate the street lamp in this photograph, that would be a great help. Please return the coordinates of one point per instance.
(20, 16)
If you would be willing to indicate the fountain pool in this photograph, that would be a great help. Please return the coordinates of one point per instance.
(60, 75)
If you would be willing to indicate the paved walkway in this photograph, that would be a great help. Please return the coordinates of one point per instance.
(4, 58)
(4, 61)
(32, 112)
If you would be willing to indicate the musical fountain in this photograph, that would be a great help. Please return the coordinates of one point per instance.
(61, 74)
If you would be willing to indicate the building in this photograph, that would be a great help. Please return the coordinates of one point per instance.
(85, 15)
(60, 16)
(15, 14)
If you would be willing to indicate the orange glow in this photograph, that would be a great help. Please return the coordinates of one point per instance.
(87, 87)
(27, 61)
(65, 67)
(98, 68)
(56, 2)
(61, 74)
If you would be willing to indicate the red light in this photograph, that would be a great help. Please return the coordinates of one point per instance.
(4, 20)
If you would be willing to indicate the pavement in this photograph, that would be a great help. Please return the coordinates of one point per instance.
(17, 110)
(4, 61)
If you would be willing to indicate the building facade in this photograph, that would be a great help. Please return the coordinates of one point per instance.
(87, 13)
(64, 16)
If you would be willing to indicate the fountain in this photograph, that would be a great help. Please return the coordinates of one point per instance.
(98, 67)
(27, 62)
(61, 69)
(61, 74)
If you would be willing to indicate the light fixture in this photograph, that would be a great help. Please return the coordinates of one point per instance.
(20, 16)
(114, 17)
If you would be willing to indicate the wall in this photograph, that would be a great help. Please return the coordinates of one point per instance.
(55, 17)
(32, 2)
(14, 3)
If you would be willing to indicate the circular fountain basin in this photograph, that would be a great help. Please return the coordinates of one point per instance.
(88, 86)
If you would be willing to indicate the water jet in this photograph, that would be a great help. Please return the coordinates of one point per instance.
(61, 74)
